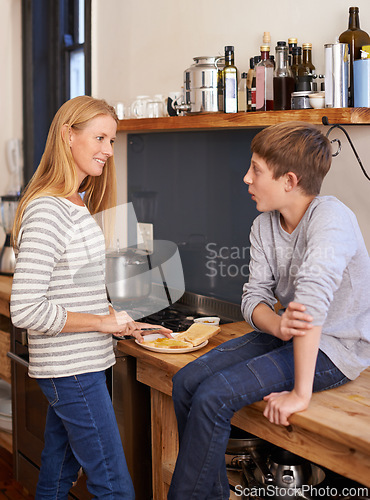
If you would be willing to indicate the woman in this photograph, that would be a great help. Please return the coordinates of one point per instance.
(59, 295)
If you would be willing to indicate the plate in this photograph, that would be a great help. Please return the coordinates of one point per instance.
(154, 336)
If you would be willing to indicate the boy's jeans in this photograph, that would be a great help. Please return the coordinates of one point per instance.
(81, 430)
(208, 391)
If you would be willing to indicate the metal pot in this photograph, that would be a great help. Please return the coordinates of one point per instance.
(287, 474)
(201, 85)
(128, 274)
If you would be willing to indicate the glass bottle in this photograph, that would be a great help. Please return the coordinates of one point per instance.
(249, 83)
(292, 43)
(309, 68)
(242, 93)
(230, 79)
(356, 38)
(256, 60)
(296, 67)
(264, 81)
(283, 78)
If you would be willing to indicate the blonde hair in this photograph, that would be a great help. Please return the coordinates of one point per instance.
(56, 174)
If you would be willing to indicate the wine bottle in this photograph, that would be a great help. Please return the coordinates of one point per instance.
(264, 81)
(256, 60)
(230, 78)
(355, 38)
(297, 68)
(283, 78)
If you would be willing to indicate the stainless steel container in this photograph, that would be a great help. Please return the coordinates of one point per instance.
(300, 100)
(201, 85)
(128, 275)
(336, 75)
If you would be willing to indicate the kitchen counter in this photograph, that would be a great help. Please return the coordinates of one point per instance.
(334, 432)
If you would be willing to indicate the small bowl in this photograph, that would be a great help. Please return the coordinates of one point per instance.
(209, 320)
(317, 100)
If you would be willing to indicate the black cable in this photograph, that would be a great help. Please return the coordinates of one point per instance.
(325, 121)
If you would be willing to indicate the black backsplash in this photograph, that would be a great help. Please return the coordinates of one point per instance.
(190, 186)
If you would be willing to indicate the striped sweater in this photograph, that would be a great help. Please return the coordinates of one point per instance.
(60, 267)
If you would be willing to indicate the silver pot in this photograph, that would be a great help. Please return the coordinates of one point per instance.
(128, 275)
(201, 85)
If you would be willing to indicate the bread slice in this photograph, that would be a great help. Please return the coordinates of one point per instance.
(198, 333)
(165, 343)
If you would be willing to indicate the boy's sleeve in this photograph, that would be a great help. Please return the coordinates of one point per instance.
(331, 244)
(261, 284)
(44, 236)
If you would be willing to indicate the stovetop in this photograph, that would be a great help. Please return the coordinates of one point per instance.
(180, 315)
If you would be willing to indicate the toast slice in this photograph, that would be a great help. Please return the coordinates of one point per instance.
(166, 343)
(198, 333)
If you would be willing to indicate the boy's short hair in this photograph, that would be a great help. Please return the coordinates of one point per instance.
(297, 147)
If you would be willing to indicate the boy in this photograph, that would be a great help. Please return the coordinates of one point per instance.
(308, 252)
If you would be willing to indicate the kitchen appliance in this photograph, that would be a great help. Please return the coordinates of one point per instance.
(201, 85)
(8, 207)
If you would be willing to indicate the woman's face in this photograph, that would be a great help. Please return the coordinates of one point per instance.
(93, 145)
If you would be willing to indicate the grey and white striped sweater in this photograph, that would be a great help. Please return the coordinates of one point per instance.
(60, 267)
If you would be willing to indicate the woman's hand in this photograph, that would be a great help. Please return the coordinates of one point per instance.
(138, 333)
(121, 323)
(281, 405)
(294, 322)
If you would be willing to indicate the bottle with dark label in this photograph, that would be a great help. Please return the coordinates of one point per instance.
(249, 84)
(256, 60)
(230, 79)
(283, 78)
(264, 81)
(355, 38)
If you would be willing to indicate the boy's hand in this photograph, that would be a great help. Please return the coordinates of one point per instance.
(294, 321)
(281, 405)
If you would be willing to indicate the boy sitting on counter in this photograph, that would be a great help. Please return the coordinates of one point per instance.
(307, 251)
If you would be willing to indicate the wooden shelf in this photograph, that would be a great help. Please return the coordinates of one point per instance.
(260, 119)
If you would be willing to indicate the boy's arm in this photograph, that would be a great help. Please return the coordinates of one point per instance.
(294, 321)
(281, 405)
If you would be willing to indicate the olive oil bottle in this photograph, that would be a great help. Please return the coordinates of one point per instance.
(230, 80)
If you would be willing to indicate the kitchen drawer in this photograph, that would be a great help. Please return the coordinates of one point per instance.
(4, 349)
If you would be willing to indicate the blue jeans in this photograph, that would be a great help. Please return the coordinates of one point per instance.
(206, 394)
(81, 431)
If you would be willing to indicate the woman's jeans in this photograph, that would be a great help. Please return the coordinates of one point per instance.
(207, 393)
(81, 431)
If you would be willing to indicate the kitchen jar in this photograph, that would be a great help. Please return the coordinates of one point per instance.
(300, 100)
(201, 85)
(361, 79)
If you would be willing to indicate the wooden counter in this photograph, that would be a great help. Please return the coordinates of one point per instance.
(334, 432)
(6, 440)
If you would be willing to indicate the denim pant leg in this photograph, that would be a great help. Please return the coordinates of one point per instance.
(83, 405)
(59, 467)
(211, 389)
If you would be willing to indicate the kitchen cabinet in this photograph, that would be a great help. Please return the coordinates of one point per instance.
(5, 366)
(260, 119)
(333, 432)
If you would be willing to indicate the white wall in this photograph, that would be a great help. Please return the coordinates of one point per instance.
(10, 84)
(144, 46)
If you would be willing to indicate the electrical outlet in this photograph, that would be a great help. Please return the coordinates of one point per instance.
(145, 236)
